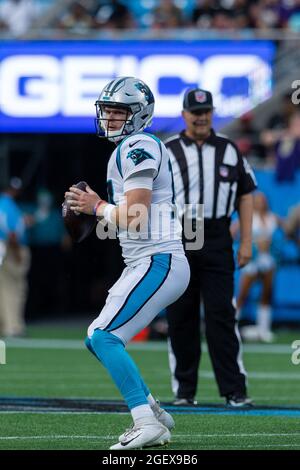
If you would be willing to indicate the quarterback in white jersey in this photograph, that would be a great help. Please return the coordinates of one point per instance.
(142, 161)
(141, 207)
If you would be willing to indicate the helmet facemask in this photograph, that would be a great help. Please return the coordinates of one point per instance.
(102, 122)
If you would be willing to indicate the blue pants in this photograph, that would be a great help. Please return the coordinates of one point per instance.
(110, 351)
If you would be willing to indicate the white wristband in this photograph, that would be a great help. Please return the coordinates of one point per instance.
(107, 213)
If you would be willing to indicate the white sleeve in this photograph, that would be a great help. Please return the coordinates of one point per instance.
(138, 154)
(140, 180)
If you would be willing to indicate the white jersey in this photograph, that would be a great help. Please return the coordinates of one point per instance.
(134, 154)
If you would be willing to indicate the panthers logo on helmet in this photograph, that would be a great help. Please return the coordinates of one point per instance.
(146, 90)
(139, 155)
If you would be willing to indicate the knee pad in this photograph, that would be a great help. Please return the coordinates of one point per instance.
(102, 340)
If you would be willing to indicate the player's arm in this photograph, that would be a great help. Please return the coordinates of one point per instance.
(15, 247)
(235, 229)
(139, 166)
(245, 209)
(12, 236)
(138, 195)
(131, 212)
(292, 223)
(246, 185)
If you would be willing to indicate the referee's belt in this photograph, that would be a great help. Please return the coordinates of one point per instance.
(213, 225)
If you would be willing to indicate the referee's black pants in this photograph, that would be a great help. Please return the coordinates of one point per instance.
(212, 279)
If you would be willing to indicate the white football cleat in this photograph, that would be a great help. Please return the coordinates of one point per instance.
(254, 333)
(250, 333)
(164, 417)
(147, 432)
(161, 415)
(266, 336)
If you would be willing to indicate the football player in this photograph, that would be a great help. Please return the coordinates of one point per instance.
(139, 181)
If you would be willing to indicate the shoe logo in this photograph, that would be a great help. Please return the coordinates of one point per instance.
(125, 443)
(133, 143)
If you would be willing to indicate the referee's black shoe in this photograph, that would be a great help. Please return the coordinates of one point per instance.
(184, 402)
(238, 400)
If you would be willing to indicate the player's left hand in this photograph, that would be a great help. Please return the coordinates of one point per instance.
(82, 201)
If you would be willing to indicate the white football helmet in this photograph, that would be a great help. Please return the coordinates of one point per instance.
(130, 94)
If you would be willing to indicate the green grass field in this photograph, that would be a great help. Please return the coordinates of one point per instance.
(53, 363)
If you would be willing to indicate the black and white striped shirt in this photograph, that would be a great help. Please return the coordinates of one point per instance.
(213, 174)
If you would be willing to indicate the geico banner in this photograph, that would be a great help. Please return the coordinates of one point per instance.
(52, 86)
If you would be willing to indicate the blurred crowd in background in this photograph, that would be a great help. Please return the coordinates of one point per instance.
(18, 17)
(277, 145)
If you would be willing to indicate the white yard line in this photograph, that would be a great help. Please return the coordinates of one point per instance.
(176, 437)
(237, 435)
(242, 446)
(265, 446)
(204, 374)
(260, 375)
(32, 411)
(11, 438)
(34, 343)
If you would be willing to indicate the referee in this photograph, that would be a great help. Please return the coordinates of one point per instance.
(208, 169)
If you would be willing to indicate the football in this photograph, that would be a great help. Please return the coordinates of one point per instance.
(79, 226)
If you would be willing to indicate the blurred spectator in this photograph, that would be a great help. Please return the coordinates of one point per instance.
(287, 151)
(17, 16)
(203, 13)
(294, 18)
(241, 7)
(280, 120)
(253, 15)
(221, 15)
(78, 19)
(248, 141)
(261, 268)
(223, 20)
(292, 224)
(47, 224)
(14, 262)
(167, 15)
(241, 20)
(48, 241)
(281, 140)
(265, 14)
(114, 15)
(289, 14)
